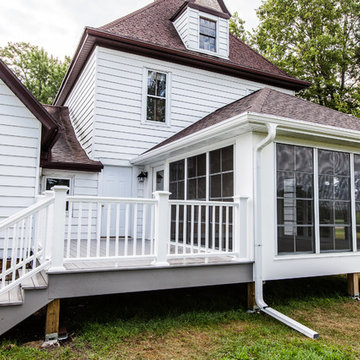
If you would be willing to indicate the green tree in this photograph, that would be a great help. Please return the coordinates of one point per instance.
(237, 28)
(317, 41)
(40, 73)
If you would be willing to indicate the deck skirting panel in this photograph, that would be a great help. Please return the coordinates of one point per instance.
(79, 284)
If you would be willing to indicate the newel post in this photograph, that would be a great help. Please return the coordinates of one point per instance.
(240, 226)
(49, 225)
(58, 233)
(162, 227)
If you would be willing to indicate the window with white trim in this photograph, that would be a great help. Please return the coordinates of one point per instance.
(207, 35)
(156, 96)
(296, 180)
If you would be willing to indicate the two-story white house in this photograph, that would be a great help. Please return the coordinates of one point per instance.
(187, 160)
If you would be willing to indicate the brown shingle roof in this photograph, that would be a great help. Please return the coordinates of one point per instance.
(152, 24)
(271, 102)
(67, 153)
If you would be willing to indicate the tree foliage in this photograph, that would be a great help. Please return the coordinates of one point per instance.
(317, 41)
(237, 28)
(41, 73)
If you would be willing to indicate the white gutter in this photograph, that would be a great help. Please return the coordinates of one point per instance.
(259, 298)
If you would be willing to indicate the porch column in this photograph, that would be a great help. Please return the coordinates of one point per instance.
(240, 226)
(58, 233)
(162, 227)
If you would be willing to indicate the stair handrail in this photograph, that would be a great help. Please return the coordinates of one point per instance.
(22, 214)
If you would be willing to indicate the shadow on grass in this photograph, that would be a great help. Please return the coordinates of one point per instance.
(211, 303)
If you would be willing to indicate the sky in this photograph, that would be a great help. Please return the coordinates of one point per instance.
(57, 25)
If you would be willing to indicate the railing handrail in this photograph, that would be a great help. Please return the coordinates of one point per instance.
(100, 199)
(22, 214)
(203, 203)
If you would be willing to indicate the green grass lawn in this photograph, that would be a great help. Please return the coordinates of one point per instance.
(209, 323)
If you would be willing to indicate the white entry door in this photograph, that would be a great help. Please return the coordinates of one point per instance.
(116, 182)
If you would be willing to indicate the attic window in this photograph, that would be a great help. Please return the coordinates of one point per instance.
(207, 34)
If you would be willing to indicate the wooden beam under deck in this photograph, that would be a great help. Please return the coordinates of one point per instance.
(353, 285)
(52, 320)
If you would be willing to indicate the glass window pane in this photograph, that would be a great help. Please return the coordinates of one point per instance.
(285, 184)
(201, 188)
(304, 212)
(160, 180)
(326, 187)
(342, 213)
(215, 186)
(326, 162)
(51, 182)
(161, 85)
(342, 238)
(358, 237)
(341, 188)
(304, 159)
(341, 163)
(285, 240)
(304, 185)
(227, 158)
(201, 165)
(180, 189)
(215, 161)
(173, 190)
(160, 109)
(180, 169)
(304, 239)
(326, 212)
(228, 184)
(150, 115)
(191, 189)
(152, 83)
(285, 157)
(326, 238)
(191, 165)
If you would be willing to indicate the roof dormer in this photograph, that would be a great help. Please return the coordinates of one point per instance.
(203, 26)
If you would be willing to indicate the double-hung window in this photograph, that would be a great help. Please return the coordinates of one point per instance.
(156, 96)
(207, 34)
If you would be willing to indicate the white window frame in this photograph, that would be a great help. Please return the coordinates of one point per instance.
(58, 178)
(355, 250)
(144, 119)
(216, 20)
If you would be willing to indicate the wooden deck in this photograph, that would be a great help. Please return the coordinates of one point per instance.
(106, 251)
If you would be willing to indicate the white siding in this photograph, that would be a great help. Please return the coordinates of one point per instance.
(119, 133)
(20, 136)
(81, 104)
(182, 26)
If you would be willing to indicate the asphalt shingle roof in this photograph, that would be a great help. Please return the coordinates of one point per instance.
(271, 102)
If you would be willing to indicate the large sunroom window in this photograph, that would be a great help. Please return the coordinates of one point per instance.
(320, 220)
(295, 199)
(357, 197)
(334, 200)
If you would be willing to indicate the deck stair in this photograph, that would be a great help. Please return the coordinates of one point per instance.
(22, 301)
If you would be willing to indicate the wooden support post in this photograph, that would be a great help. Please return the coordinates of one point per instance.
(353, 285)
(52, 321)
(251, 302)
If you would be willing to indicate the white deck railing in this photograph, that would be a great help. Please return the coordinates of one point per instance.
(109, 228)
(59, 229)
(24, 243)
(203, 228)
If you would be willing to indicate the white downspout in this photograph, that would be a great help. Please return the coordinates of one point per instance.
(259, 246)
